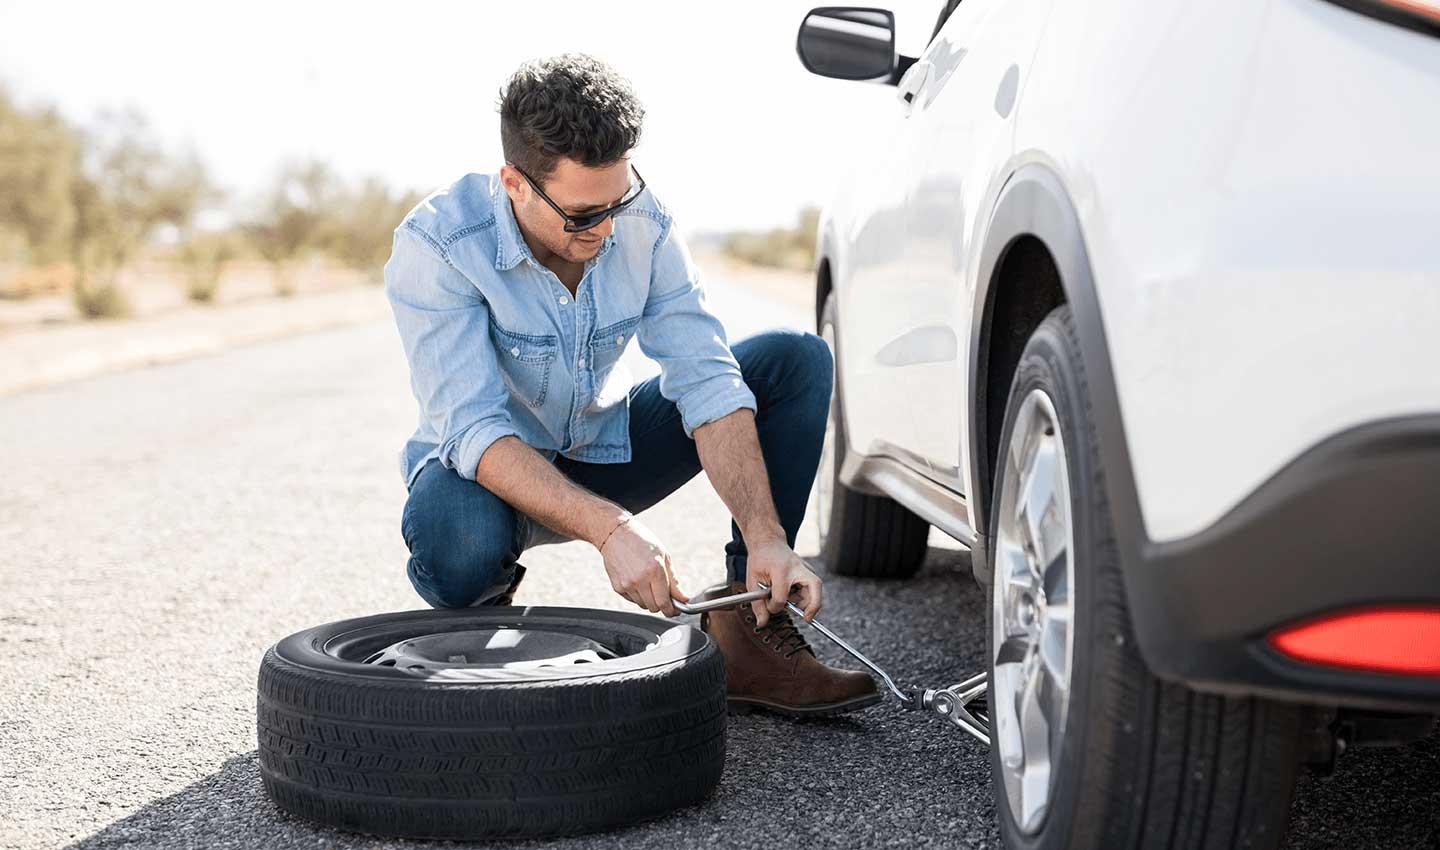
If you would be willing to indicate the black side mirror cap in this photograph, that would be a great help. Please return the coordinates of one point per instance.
(850, 43)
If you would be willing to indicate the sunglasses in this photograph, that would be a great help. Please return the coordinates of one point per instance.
(577, 223)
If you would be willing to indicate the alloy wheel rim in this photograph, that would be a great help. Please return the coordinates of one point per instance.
(1033, 609)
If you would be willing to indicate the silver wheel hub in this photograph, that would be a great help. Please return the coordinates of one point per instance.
(498, 648)
(1033, 611)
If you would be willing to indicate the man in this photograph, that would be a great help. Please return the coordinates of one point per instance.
(515, 295)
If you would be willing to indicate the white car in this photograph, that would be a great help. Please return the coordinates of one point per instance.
(1141, 302)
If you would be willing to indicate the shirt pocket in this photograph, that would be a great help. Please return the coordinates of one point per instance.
(608, 343)
(525, 362)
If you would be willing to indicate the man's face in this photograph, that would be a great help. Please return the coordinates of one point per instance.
(577, 189)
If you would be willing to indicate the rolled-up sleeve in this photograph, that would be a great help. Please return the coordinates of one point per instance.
(444, 325)
(697, 369)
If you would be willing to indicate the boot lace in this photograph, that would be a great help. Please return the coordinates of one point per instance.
(787, 635)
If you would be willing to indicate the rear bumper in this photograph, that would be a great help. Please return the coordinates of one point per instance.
(1354, 521)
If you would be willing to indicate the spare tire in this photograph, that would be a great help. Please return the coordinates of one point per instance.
(491, 722)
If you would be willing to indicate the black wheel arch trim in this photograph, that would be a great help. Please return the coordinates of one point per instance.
(1201, 606)
(1033, 202)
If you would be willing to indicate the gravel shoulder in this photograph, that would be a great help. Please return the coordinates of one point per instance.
(40, 356)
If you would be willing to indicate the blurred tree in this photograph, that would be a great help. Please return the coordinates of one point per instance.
(88, 202)
(39, 158)
(97, 227)
(129, 187)
(205, 256)
(202, 254)
(807, 228)
(182, 190)
(365, 223)
(297, 217)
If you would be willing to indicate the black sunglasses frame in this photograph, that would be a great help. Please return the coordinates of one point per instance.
(580, 223)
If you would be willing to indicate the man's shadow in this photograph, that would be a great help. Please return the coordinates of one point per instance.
(873, 778)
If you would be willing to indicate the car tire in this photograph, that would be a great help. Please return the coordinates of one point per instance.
(449, 751)
(861, 535)
(1138, 762)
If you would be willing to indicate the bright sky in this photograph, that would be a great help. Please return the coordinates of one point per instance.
(737, 134)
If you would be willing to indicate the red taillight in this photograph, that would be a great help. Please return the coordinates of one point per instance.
(1386, 640)
(1423, 8)
(1421, 15)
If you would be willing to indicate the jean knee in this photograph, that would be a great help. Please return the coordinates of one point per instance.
(808, 369)
(813, 353)
(446, 584)
(789, 357)
(456, 557)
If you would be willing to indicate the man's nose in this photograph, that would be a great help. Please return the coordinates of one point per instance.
(604, 228)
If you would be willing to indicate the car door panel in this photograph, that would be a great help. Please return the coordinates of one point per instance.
(873, 291)
(961, 119)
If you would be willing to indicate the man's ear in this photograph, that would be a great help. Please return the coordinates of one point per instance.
(514, 183)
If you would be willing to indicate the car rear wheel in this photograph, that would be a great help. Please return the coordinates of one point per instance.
(860, 534)
(1090, 749)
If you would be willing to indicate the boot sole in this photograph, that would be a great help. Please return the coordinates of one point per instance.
(745, 705)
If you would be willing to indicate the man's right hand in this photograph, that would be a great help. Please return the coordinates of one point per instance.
(639, 568)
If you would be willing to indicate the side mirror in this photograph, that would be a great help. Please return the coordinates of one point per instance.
(848, 43)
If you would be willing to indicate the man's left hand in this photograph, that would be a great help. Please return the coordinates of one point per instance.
(776, 564)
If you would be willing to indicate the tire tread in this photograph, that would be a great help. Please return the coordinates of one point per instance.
(1164, 765)
(463, 761)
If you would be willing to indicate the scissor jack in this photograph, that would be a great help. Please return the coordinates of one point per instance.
(962, 704)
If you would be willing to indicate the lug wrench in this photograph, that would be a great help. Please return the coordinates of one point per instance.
(952, 703)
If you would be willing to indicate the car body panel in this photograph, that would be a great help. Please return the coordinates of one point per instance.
(874, 281)
(1240, 199)
(966, 114)
(1262, 227)
(1250, 246)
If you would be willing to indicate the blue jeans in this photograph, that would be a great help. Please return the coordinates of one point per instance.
(465, 541)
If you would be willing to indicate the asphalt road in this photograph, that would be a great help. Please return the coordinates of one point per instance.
(160, 528)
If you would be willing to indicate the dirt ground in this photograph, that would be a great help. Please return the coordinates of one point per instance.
(157, 288)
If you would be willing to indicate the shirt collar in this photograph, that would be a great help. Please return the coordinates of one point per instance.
(512, 248)
(511, 244)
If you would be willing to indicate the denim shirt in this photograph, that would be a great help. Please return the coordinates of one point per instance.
(497, 345)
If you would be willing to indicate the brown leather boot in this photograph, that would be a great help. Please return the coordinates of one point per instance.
(774, 668)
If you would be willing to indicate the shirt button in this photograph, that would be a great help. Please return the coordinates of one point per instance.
(515, 351)
(619, 339)
(564, 299)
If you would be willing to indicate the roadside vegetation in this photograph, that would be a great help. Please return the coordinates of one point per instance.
(80, 206)
(781, 247)
(97, 212)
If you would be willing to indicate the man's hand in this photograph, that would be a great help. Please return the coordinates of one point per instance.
(776, 564)
(729, 449)
(639, 568)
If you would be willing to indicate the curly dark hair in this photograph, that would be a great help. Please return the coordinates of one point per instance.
(570, 105)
